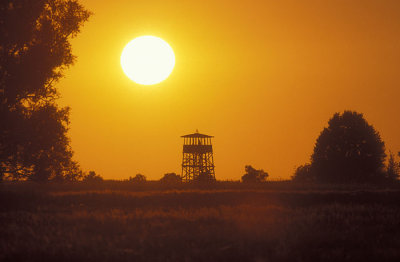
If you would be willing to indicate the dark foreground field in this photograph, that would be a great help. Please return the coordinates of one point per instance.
(62, 224)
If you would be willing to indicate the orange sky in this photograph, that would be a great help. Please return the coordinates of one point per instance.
(263, 77)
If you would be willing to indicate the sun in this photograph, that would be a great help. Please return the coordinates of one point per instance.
(147, 60)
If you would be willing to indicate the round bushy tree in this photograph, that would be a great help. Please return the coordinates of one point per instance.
(349, 150)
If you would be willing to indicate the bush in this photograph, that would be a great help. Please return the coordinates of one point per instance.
(92, 177)
(253, 175)
(171, 179)
(205, 177)
(138, 178)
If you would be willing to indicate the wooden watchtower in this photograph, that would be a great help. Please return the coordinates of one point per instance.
(197, 157)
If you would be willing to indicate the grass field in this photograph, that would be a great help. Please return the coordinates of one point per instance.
(225, 223)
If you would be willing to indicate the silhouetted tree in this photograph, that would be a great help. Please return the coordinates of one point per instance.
(253, 175)
(34, 52)
(92, 177)
(392, 171)
(138, 178)
(349, 150)
(304, 174)
(171, 179)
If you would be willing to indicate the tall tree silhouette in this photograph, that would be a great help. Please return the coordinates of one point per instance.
(34, 52)
(348, 150)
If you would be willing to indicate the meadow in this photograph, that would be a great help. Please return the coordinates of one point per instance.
(118, 221)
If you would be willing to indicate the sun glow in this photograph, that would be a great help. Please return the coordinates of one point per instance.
(147, 60)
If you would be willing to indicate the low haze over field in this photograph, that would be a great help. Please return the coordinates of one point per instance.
(263, 77)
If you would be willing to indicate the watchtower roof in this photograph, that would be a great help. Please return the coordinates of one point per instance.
(197, 134)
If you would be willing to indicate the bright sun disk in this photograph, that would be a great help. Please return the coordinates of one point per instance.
(147, 60)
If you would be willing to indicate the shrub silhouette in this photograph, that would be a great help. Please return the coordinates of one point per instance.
(138, 178)
(171, 179)
(253, 175)
(204, 177)
(92, 177)
(349, 150)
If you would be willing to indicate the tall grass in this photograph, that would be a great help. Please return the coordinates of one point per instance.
(198, 225)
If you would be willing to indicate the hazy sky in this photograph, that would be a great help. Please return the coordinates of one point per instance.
(263, 77)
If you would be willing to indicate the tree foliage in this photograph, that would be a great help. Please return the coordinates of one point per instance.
(349, 150)
(253, 175)
(34, 52)
(304, 174)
